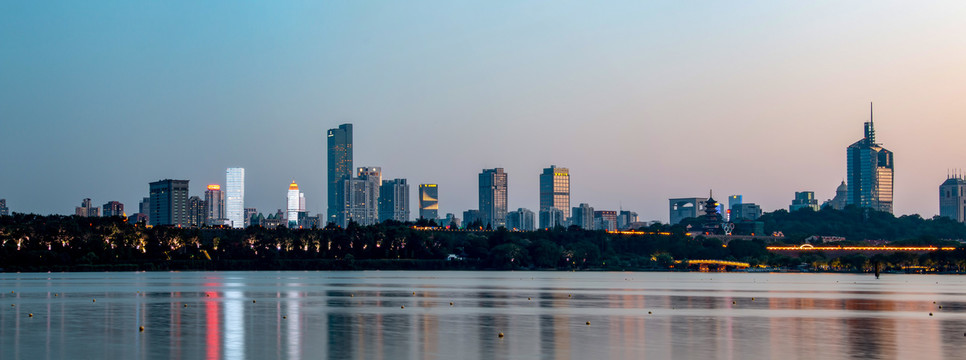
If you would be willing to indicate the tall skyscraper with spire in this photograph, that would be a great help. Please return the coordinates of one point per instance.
(870, 172)
(339, 166)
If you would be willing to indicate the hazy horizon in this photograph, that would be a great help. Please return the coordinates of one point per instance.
(641, 101)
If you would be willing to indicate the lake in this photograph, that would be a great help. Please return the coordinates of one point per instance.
(447, 315)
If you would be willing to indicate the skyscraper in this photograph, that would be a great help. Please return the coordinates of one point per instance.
(493, 197)
(429, 201)
(235, 197)
(339, 166)
(554, 194)
(292, 213)
(4, 211)
(169, 203)
(362, 197)
(394, 200)
(215, 205)
(113, 208)
(952, 198)
(583, 216)
(196, 211)
(870, 172)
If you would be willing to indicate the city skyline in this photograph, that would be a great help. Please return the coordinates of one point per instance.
(681, 99)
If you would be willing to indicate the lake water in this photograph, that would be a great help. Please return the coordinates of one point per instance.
(543, 315)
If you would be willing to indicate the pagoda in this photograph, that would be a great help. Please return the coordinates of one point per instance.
(712, 219)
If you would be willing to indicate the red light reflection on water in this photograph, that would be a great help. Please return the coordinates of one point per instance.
(213, 335)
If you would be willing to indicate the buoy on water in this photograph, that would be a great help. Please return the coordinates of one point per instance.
(253, 301)
(93, 300)
(649, 313)
(500, 335)
(185, 305)
(30, 315)
(930, 314)
(450, 303)
(402, 307)
(588, 323)
(284, 317)
(141, 328)
(528, 298)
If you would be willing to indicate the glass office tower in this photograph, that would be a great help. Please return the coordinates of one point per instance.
(235, 197)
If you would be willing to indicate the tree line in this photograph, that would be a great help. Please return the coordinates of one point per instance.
(70, 243)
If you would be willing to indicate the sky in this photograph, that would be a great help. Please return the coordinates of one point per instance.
(641, 100)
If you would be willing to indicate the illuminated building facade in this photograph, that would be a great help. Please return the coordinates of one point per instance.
(293, 204)
(493, 197)
(804, 200)
(339, 169)
(870, 173)
(214, 205)
(4, 211)
(394, 200)
(952, 198)
(169, 203)
(196, 211)
(113, 208)
(428, 201)
(235, 197)
(554, 194)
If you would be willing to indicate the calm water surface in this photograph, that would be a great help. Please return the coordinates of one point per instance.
(544, 315)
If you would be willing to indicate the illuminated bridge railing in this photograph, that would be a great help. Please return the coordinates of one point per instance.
(719, 262)
(808, 247)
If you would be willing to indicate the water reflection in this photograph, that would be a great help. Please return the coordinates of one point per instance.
(392, 315)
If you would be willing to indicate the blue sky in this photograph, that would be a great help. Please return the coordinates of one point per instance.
(641, 100)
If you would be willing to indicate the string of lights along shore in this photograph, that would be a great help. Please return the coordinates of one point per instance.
(361, 195)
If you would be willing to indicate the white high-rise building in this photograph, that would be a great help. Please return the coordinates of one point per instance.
(235, 197)
(293, 205)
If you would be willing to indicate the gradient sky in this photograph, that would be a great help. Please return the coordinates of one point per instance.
(641, 100)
